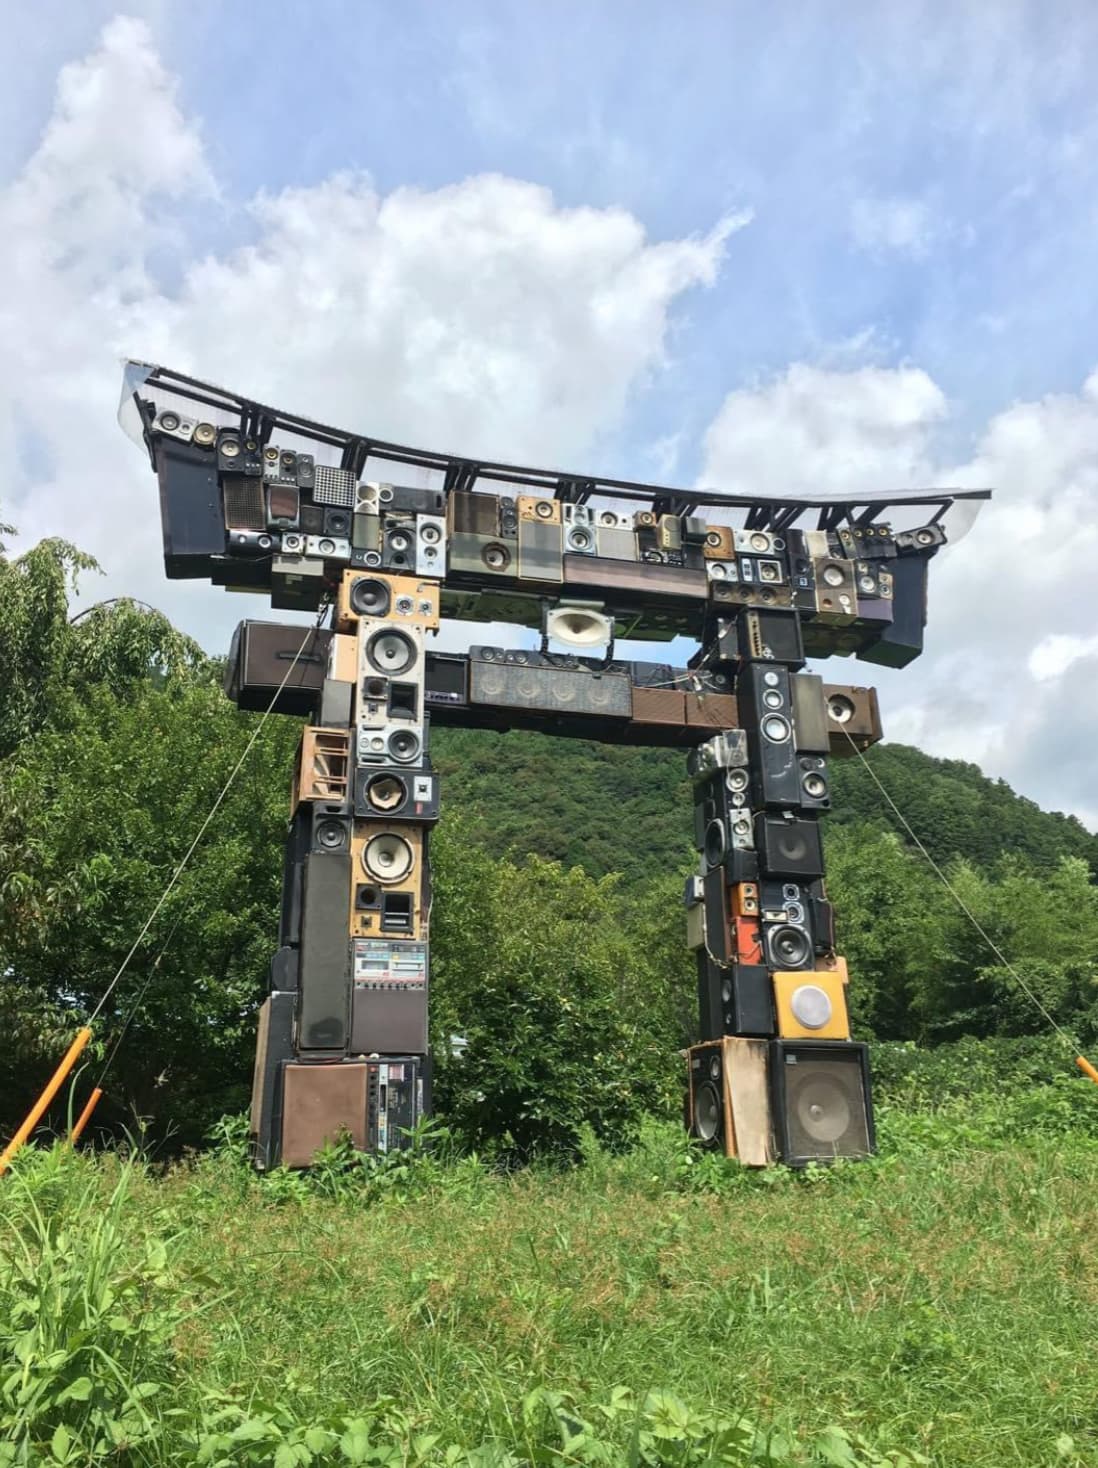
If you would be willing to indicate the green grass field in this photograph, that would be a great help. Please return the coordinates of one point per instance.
(634, 1309)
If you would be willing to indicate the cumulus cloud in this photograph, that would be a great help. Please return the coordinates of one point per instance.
(1007, 676)
(480, 317)
(817, 431)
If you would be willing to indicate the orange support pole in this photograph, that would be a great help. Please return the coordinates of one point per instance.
(84, 1117)
(37, 1111)
(1085, 1066)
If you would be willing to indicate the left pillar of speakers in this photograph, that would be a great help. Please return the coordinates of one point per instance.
(343, 1035)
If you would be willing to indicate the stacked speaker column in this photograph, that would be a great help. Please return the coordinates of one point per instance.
(343, 1038)
(775, 1075)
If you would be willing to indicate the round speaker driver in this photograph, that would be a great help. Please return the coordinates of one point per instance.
(331, 835)
(388, 858)
(707, 1113)
(789, 946)
(822, 1108)
(386, 792)
(391, 650)
(775, 727)
(715, 843)
(811, 1006)
(403, 745)
(369, 597)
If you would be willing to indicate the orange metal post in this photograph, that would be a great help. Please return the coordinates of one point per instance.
(37, 1111)
(84, 1117)
(1085, 1066)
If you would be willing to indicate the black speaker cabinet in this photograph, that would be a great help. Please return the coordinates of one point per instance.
(820, 1101)
(399, 1094)
(325, 960)
(789, 847)
(395, 793)
(261, 655)
(896, 644)
(190, 508)
(765, 705)
(273, 1047)
(734, 999)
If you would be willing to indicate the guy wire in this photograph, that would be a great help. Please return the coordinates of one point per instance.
(213, 811)
(959, 900)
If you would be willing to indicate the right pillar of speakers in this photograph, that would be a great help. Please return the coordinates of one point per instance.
(775, 1075)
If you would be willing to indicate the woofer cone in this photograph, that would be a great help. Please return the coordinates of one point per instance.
(369, 597)
(708, 1113)
(789, 946)
(716, 843)
(391, 650)
(331, 835)
(403, 745)
(388, 858)
(386, 792)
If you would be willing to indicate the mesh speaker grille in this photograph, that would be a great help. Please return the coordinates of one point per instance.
(334, 487)
(563, 690)
(244, 504)
(825, 1104)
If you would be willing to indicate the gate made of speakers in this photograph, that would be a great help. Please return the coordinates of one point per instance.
(257, 500)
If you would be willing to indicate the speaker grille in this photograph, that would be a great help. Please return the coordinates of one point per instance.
(518, 685)
(334, 487)
(245, 507)
(789, 848)
(825, 1103)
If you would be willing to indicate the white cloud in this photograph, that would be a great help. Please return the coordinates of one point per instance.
(1007, 676)
(816, 431)
(480, 317)
(903, 225)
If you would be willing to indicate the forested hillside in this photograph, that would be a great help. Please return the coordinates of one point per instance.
(572, 986)
(613, 809)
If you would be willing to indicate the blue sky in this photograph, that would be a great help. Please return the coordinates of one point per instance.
(824, 243)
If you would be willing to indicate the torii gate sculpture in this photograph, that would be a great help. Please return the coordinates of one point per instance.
(254, 498)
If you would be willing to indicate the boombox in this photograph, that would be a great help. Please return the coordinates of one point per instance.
(389, 1004)
(399, 1095)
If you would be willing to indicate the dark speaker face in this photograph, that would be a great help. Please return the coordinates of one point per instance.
(331, 835)
(789, 947)
(370, 597)
(826, 1106)
(386, 792)
(708, 1112)
(388, 858)
(715, 843)
(391, 650)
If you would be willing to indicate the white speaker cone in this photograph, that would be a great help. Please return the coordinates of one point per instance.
(388, 858)
(811, 1006)
(392, 651)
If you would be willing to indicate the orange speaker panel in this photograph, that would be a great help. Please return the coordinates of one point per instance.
(747, 938)
(811, 1005)
(745, 900)
(413, 600)
(388, 881)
